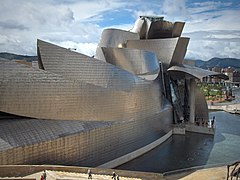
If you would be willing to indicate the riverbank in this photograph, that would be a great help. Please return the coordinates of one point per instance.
(228, 107)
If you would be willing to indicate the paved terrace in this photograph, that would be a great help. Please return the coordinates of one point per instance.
(34, 172)
(61, 175)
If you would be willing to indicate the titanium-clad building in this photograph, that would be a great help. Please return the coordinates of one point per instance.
(89, 111)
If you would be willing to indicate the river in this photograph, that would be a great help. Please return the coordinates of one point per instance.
(193, 149)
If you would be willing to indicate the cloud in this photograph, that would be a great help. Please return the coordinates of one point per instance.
(144, 13)
(174, 7)
(212, 26)
(84, 48)
(207, 44)
(56, 21)
(210, 49)
(12, 25)
(213, 31)
(200, 7)
(85, 10)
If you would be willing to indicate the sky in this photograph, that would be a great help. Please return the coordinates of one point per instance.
(213, 26)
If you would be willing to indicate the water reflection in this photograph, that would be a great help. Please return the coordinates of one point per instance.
(194, 149)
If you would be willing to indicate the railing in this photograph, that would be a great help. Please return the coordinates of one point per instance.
(195, 168)
(205, 122)
(235, 172)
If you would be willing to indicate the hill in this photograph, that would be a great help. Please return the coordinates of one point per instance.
(219, 62)
(11, 56)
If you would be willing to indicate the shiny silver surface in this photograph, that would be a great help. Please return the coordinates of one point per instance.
(110, 104)
(160, 29)
(114, 38)
(195, 72)
(140, 27)
(180, 51)
(82, 143)
(79, 67)
(150, 27)
(169, 50)
(38, 93)
(139, 62)
(201, 107)
(177, 29)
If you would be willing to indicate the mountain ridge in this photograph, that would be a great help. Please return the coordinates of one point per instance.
(218, 62)
(12, 56)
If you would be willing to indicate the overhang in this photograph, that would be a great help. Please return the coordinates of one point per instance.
(196, 72)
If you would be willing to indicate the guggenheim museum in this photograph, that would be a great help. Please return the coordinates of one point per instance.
(103, 110)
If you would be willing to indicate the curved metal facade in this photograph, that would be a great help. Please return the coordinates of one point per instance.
(79, 67)
(195, 72)
(155, 27)
(138, 62)
(82, 143)
(36, 93)
(169, 51)
(115, 38)
(96, 109)
(201, 107)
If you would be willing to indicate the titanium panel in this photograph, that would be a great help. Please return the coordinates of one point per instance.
(140, 27)
(36, 93)
(28, 131)
(138, 62)
(113, 38)
(201, 107)
(155, 28)
(76, 142)
(79, 67)
(180, 51)
(195, 72)
(167, 50)
(160, 29)
(177, 29)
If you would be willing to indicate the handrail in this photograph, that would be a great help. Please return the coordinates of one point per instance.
(235, 171)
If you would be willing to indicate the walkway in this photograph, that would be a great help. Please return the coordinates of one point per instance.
(61, 175)
(34, 172)
(216, 173)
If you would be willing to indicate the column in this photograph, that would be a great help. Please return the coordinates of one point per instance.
(192, 100)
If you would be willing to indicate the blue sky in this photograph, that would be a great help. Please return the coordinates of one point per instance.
(213, 26)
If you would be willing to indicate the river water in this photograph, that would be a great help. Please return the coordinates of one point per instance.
(193, 149)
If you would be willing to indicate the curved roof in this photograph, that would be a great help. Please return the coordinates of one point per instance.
(16, 131)
(78, 67)
(196, 72)
(113, 38)
(65, 94)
